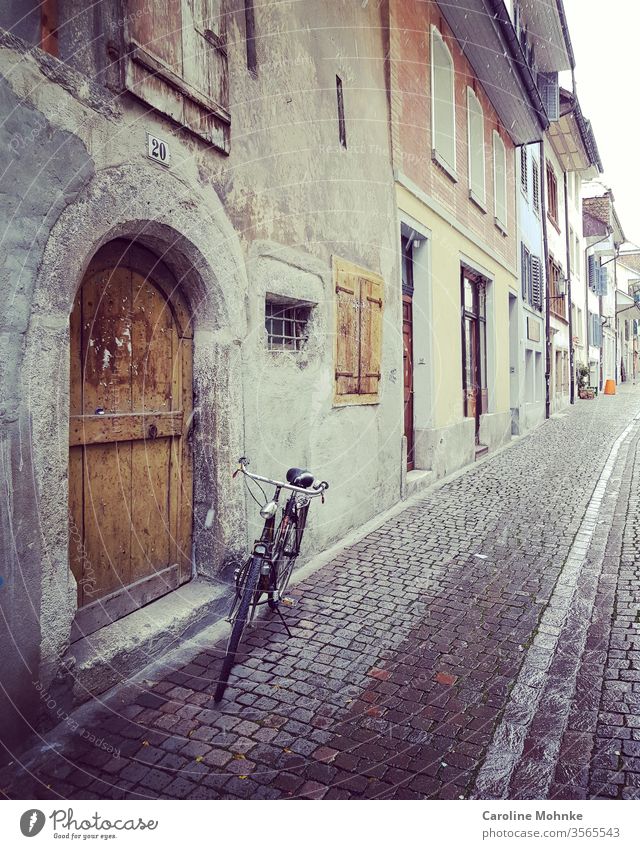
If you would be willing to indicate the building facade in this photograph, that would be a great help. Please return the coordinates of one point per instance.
(454, 134)
(188, 280)
(604, 238)
(571, 157)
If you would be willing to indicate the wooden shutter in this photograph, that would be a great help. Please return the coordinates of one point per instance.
(155, 53)
(347, 333)
(370, 336)
(177, 63)
(358, 339)
(205, 68)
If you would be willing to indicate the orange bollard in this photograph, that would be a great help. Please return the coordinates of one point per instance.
(610, 387)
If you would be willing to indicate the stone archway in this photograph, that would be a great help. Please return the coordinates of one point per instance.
(194, 239)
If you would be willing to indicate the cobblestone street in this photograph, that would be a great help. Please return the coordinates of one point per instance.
(484, 642)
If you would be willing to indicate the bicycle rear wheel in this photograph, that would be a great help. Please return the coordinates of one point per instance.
(239, 622)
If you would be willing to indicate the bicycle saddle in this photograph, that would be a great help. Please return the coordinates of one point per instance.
(299, 477)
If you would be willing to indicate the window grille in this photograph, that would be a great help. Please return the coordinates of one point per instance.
(286, 326)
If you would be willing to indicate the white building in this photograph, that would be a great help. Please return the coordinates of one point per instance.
(571, 157)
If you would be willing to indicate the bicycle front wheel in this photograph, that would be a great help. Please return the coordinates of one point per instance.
(239, 622)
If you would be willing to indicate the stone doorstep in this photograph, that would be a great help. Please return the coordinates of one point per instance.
(120, 650)
(417, 480)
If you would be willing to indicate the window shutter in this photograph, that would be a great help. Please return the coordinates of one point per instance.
(177, 63)
(155, 54)
(523, 271)
(550, 93)
(347, 332)
(370, 335)
(604, 280)
(476, 146)
(358, 345)
(443, 100)
(535, 188)
(592, 272)
(524, 177)
(500, 179)
(536, 282)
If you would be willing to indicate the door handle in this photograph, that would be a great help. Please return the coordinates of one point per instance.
(153, 431)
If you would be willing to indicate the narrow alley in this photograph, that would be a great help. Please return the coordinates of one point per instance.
(482, 643)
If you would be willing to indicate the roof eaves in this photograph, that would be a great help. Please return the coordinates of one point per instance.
(565, 32)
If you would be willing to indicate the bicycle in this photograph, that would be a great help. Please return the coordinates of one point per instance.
(268, 569)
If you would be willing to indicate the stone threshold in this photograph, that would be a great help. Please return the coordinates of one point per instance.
(418, 480)
(121, 649)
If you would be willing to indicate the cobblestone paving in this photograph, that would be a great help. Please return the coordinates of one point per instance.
(405, 650)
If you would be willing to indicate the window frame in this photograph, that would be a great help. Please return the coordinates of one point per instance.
(437, 154)
(553, 208)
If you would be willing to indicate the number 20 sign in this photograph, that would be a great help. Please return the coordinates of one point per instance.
(158, 149)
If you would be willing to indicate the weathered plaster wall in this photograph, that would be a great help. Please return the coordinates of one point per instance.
(44, 168)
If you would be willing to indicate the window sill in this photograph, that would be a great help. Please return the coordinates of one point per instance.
(500, 226)
(473, 197)
(355, 400)
(448, 170)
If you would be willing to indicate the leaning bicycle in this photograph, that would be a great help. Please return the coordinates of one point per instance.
(264, 577)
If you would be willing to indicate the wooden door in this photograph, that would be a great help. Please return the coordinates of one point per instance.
(472, 327)
(130, 470)
(471, 389)
(407, 339)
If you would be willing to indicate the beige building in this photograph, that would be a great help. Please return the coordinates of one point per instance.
(454, 167)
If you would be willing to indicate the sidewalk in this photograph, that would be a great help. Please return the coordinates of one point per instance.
(405, 674)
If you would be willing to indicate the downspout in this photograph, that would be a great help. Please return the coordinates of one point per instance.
(586, 296)
(601, 380)
(615, 312)
(545, 271)
(572, 378)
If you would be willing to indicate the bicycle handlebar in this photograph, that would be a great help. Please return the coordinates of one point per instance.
(312, 492)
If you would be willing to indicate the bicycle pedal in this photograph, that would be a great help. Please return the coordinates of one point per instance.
(288, 601)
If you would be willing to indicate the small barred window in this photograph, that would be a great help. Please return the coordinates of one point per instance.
(286, 325)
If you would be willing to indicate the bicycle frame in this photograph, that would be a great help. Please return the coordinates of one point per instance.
(267, 547)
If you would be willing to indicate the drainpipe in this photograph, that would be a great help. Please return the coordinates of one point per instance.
(586, 299)
(615, 311)
(572, 377)
(545, 271)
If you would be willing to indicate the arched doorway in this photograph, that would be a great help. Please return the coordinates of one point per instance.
(130, 458)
